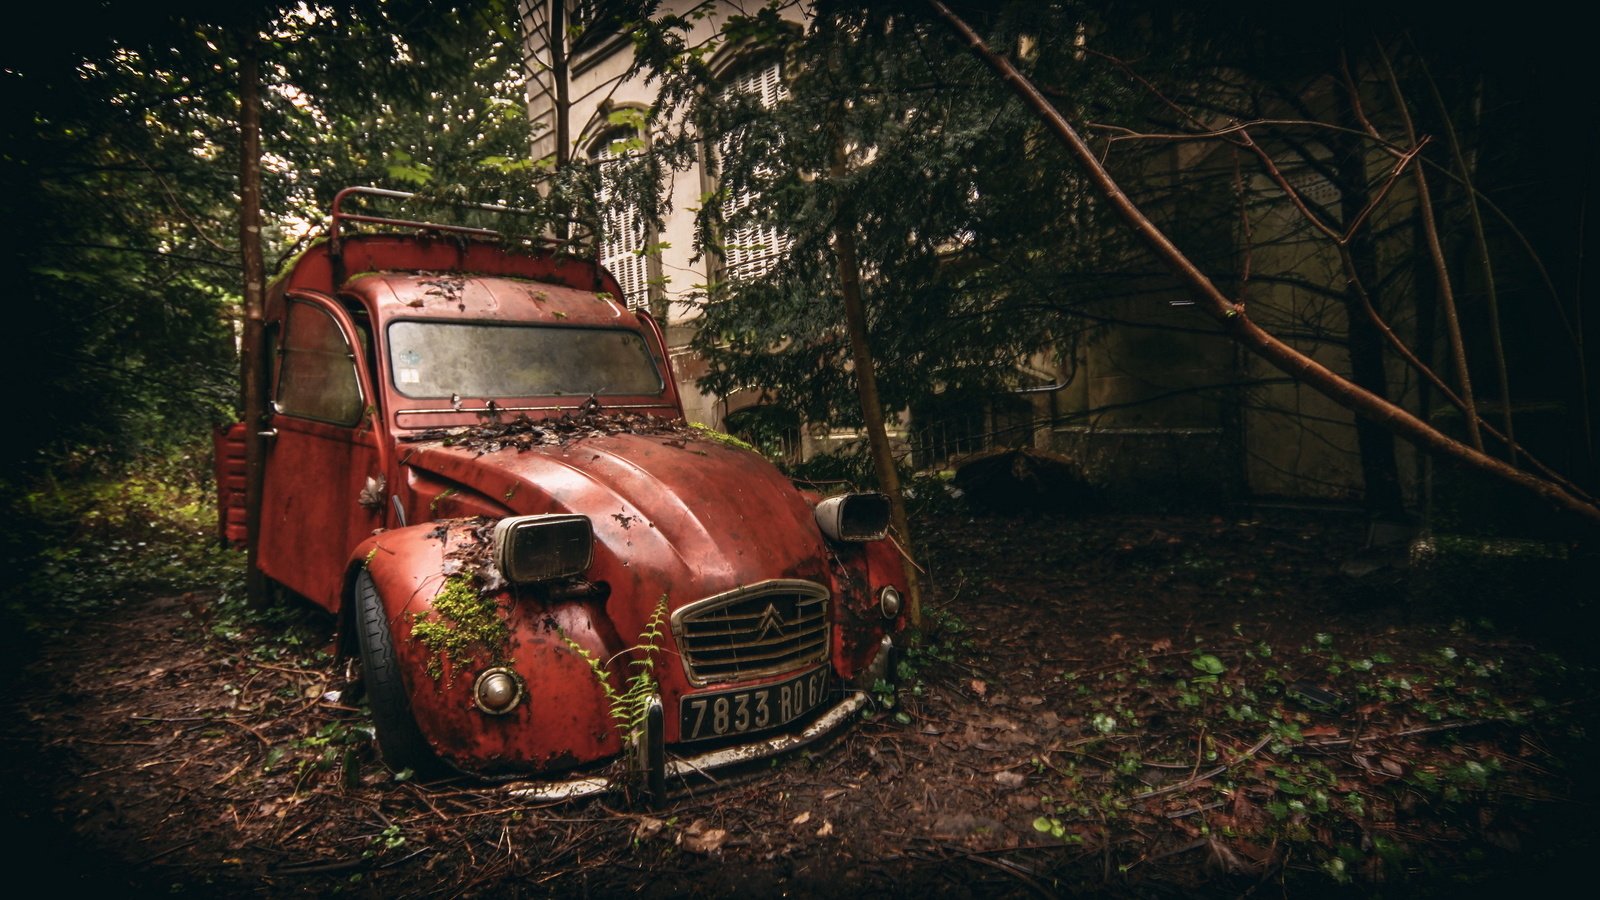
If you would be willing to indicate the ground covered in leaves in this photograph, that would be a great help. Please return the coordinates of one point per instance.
(1120, 705)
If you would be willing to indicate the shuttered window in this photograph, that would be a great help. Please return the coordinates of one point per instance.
(750, 250)
(621, 226)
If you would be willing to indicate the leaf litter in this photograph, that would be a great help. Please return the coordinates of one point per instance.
(170, 748)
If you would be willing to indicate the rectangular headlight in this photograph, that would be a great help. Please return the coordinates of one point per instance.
(854, 517)
(543, 548)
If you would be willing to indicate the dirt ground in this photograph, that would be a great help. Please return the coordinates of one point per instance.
(1119, 705)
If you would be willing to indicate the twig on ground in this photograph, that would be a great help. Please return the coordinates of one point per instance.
(1207, 776)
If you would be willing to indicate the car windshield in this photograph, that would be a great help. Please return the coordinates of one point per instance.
(440, 359)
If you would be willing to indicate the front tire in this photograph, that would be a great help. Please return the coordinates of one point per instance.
(400, 742)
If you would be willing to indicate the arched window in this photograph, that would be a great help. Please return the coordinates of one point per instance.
(623, 230)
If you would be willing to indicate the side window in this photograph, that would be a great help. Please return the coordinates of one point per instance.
(316, 374)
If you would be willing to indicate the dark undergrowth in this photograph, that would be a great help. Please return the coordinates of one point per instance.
(1126, 705)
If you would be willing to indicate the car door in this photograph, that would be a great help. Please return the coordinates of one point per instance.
(320, 452)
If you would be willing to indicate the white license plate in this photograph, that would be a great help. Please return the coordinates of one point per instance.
(724, 713)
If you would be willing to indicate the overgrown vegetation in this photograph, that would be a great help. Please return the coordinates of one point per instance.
(630, 704)
(114, 533)
(462, 623)
(1191, 703)
(120, 244)
(1251, 747)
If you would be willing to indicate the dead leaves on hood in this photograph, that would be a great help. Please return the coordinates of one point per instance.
(523, 433)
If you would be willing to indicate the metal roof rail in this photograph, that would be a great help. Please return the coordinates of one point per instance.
(340, 216)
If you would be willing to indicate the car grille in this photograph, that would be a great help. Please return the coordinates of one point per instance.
(764, 629)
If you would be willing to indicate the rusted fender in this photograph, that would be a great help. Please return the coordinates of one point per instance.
(563, 719)
(859, 623)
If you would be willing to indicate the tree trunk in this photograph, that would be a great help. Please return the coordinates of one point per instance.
(1380, 473)
(251, 356)
(559, 76)
(855, 315)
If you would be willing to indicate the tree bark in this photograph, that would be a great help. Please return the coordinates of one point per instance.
(855, 316)
(1447, 297)
(559, 76)
(1232, 315)
(1491, 296)
(1380, 472)
(251, 356)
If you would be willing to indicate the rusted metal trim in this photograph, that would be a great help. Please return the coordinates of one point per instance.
(505, 409)
(338, 215)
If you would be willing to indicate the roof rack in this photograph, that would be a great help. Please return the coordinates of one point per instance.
(340, 216)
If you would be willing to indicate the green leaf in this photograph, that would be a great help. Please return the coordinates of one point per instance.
(418, 175)
(1208, 664)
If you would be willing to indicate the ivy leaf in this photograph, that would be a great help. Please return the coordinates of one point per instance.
(1208, 664)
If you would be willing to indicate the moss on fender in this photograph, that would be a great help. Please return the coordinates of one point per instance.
(463, 622)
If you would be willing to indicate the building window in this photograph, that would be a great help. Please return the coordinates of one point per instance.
(591, 22)
(751, 249)
(622, 227)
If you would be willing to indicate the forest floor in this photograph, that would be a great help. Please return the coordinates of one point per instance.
(1117, 705)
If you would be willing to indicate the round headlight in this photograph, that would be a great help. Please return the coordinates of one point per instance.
(889, 602)
(497, 691)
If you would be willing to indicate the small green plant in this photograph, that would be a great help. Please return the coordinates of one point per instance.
(630, 704)
(333, 746)
(1209, 665)
(1054, 827)
(390, 838)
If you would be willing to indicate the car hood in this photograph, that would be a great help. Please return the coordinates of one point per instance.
(673, 515)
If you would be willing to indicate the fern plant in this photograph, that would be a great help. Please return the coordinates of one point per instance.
(630, 704)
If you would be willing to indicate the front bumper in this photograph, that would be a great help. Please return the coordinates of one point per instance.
(654, 771)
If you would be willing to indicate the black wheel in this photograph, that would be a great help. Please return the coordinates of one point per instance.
(400, 742)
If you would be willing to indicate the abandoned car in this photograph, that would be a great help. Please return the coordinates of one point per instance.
(476, 456)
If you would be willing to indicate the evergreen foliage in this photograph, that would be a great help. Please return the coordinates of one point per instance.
(121, 168)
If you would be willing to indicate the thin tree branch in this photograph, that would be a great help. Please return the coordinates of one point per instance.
(1232, 314)
(1447, 297)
